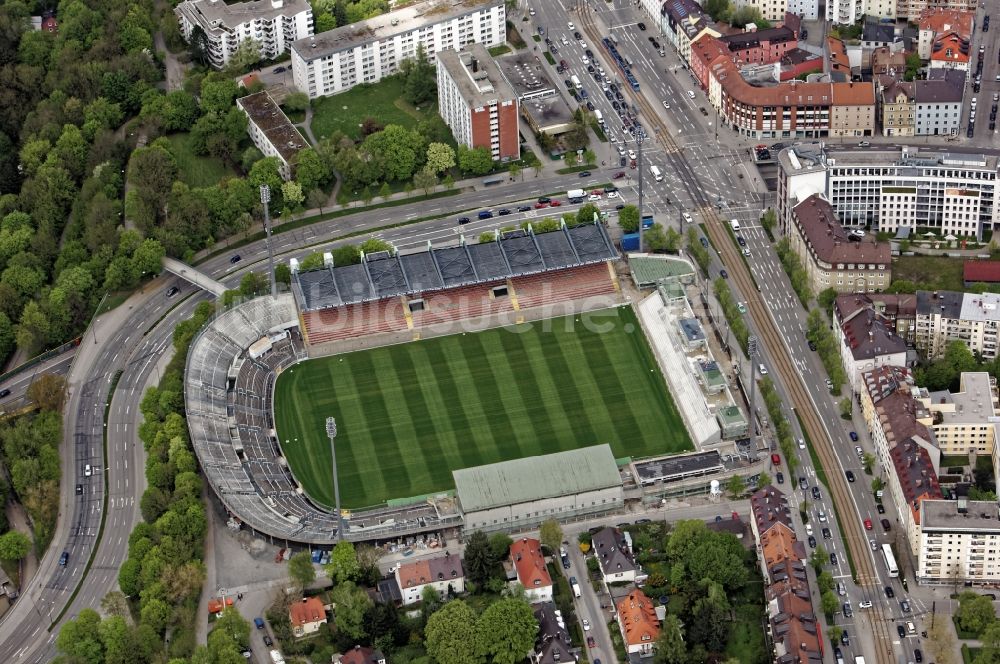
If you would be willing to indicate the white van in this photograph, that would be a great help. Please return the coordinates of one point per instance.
(735, 225)
(657, 175)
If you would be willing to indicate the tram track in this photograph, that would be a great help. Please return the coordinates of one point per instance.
(779, 354)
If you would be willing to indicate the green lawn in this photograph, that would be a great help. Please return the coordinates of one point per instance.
(409, 414)
(383, 101)
(930, 272)
(193, 170)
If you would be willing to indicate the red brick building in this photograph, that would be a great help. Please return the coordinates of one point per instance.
(477, 102)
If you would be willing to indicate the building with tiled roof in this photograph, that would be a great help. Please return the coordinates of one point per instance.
(853, 110)
(794, 629)
(840, 62)
(684, 23)
(898, 311)
(897, 107)
(980, 272)
(360, 655)
(913, 480)
(307, 616)
(938, 103)
(638, 623)
(911, 10)
(864, 339)
(614, 555)
(762, 47)
(443, 573)
(706, 50)
(950, 51)
(553, 645)
(887, 62)
(832, 257)
(935, 21)
(529, 563)
(893, 412)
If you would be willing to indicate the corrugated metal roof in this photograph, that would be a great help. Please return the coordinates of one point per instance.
(535, 478)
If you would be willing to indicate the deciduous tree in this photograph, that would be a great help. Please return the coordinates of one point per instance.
(670, 647)
(628, 219)
(440, 157)
(477, 161)
(506, 630)
(551, 535)
(14, 545)
(351, 604)
(300, 568)
(451, 634)
(343, 565)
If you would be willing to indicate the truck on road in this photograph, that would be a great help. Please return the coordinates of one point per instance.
(576, 81)
(576, 195)
(575, 586)
(599, 116)
(859, 660)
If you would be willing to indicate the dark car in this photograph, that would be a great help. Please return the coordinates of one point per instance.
(640, 521)
(544, 199)
(268, 641)
(5, 392)
(620, 206)
(827, 534)
(591, 643)
(656, 44)
(607, 93)
(79, 489)
(618, 175)
(590, 68)
(741, 241)
(235, 258)
(590, 105)
(278, 70)
(590, 54)
(723, 274)
(917, 655)
(812, 346)
(903, 604)
(850, 475)
(845, 638)
(464, 220)
(64, 559)
(889, 592)
(886, 526)
(969, 132)
(815, 493)
(881, 508)
(642, 26)
(523, 208)
(503, 212)
(812, 542)
(577, 36)
(564, 64)
(780, 477)
(901, 631)
(833, 558)
(704, 242)
(854, 436)
(837, 654)
(585, 174)
(802, 483)
(569, 83)
(173, 290)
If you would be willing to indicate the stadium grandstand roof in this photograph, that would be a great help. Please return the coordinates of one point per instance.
(536, 478)
(517, 253)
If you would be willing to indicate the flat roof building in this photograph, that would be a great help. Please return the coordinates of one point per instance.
(370, 50)
(271, 130)
(946, 316)
(272, 24)
(477, 103)
(959, 542)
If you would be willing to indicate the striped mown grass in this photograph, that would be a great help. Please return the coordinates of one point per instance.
(407, 415)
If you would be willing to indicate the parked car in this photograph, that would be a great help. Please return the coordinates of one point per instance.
(918, 656)
(780, 476)
(880, 507)
(278, 70)
(586, 625)
(812, 542)
(591, 643)
(641, 25)
(267, 641)
(258, 622)
(889, 592)
(723, 274)
(886, 526)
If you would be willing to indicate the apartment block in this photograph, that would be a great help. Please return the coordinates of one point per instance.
(964, 421)
(912, 10)
(887, 188)
(939, 103)
(834, 258)
(959, 542)
(865, 340)
(370, 50)
(897, 107)
(935, 21)
(271, 131)
(272, 24)
(477, 102)
(946, 316)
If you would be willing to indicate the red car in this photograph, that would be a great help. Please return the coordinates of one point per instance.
(539, 206)
(598, 192)
(618, 175)
(555, 203)
(868, 524)
(591, 643)
(775, 459)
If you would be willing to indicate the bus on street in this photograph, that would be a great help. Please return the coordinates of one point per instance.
(890, 561)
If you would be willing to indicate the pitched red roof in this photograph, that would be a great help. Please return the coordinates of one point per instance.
(982, 271)
(309, 610)
(638, 618)
(526, 554)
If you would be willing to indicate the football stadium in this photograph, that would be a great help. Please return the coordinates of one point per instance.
(431, 362)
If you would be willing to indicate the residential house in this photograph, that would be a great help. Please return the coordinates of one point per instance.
(614, 555)
(638, 623)
(853, 110)
(936, 21)
(951, 51)
(529, 563)
(946, 316)
(554, 645)
(939, 103)
(444, 574)
(360, 655)
(886, 62)
(271, 131)
(306, 616)
(897, 109)
(762, 47)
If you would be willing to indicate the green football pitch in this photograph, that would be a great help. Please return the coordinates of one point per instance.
(409, 414)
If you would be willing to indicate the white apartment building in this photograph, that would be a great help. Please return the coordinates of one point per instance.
(444, 574)
(886, 188)
(477, 102)
(965, 421)
(272, 24)
(271, 130)
(844, 12)
(807, 9)
(939, 111)
(959, 542)
(367, 51)
(865, 341)
(946, 316)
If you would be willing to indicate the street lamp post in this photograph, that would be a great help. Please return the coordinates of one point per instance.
(331, 432)
(751, 352)
(265, 199)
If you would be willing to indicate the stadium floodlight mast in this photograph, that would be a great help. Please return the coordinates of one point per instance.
(265, 200)
(331, 432)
